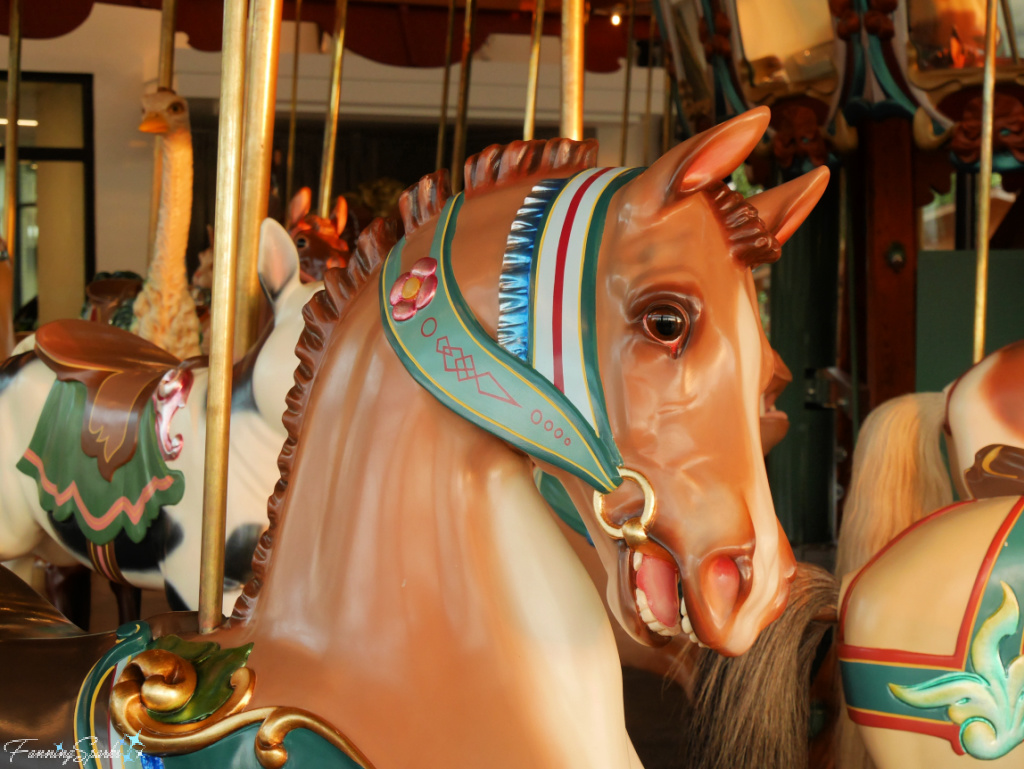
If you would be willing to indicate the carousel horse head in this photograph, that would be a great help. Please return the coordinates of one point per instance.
(672, 379)
(602, 323)
(318, 240)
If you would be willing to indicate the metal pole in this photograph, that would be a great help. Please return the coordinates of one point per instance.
(164, 79)
(461, 118)
(11, 137)
(257, 154)
(571, 125)
(289, 175)
(623, 140)
(530, 120)
(985, 182)
(650, 84)
(1011, 32)
(442, 123)
(334, 103)
(218, 406)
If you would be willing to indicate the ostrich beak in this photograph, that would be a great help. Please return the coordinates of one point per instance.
(154, 123)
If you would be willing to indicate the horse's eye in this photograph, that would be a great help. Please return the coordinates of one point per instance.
(668, 324)
(301, 242)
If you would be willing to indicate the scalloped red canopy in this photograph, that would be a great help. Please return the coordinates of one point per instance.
(409, 34)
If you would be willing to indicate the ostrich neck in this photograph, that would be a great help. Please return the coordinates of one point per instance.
(167, 270)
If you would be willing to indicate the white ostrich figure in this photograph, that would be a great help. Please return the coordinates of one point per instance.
(164, 311)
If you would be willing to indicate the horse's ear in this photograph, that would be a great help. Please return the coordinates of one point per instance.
(299, 206)
(279, 261)
(698, 162)
(785, 207)
(340, 214)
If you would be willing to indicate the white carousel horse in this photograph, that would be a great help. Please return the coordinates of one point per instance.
(166, 555)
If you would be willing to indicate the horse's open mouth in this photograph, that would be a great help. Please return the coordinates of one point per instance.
(655, 583)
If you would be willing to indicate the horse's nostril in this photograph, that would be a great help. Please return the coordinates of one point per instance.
(721, 587)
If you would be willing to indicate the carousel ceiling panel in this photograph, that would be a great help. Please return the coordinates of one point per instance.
(41, 19)
(407, 34)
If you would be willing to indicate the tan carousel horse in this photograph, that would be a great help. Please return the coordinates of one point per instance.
(899, 471)
(413, 596)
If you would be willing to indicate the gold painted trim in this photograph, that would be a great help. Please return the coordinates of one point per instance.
(990, 457)
(634, 531)
(159, 680)
(270, 750)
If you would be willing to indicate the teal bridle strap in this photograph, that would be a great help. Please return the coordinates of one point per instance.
(446, 350)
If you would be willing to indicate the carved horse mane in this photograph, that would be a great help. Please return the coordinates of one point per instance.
(493, 168)
(751, 242)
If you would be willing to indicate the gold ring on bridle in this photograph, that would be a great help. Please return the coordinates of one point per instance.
(634, 531)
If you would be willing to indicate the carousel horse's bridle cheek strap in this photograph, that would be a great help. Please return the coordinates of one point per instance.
(538, 386)
(633, 531)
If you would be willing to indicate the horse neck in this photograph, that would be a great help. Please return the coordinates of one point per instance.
(416, 567)
(379, 466)
(167, 270)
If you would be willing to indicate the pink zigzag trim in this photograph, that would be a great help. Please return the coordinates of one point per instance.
(122, 505)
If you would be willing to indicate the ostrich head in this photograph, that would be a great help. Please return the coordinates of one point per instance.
(164, 112)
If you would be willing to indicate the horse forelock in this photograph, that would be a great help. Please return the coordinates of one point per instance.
(322, 316)
(750, 240)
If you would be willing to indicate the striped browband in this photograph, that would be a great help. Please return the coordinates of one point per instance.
(539, 386)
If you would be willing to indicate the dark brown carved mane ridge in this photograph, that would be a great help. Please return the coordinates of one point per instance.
(750, 240)
(322, 314)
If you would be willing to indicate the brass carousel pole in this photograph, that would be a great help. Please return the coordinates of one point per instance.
(164, 79)
(218, 408)
(571, 124)
(650, 84)
(530, 120)
(624, 139)
(984, 188)
(289, 174)
(257, 154)
(442, 123)
(462, 118)
(11, 136)
(334, 104)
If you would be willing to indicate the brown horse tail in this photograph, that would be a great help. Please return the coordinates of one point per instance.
(753, 711)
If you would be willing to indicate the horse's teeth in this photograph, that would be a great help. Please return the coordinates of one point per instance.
(682, 606)
(638, 559)
(687, 625)
(641, 599)
(649, 617)
(693, 638)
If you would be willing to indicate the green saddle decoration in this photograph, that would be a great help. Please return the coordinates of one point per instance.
(975, 697)
(70, 482)
(214, 668)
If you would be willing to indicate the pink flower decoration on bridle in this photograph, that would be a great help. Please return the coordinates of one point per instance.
(414, 289)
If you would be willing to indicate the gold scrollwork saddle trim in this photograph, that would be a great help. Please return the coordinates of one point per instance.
(161, 681)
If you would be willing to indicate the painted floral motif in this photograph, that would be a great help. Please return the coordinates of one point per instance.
(987, 705)
(414, 289)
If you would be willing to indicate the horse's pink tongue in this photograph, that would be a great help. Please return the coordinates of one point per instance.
(657, 578)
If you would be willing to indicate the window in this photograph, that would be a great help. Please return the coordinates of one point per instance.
(56, 243)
